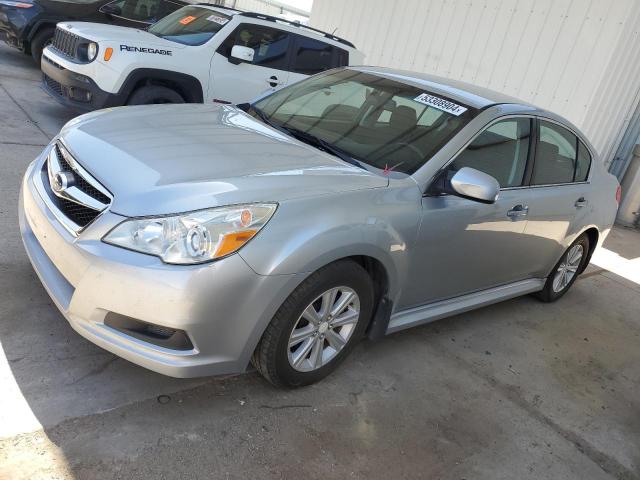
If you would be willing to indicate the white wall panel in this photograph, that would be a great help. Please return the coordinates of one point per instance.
(579, 58)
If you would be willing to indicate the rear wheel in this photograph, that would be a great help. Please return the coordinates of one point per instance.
(317, 326)
(566, 270)
(154, 94)
(39, 42)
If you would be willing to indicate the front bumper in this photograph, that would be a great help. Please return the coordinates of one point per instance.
(223, 306)
(73, 89)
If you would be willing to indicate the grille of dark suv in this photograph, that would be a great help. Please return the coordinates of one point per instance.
(66, 42)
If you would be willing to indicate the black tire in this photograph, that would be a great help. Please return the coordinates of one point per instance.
(154, 94)
(41, 39)
(270, 357)
(548, 293)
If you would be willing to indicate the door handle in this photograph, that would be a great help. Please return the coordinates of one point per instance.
(581, 202)
(518, 211)
(273, 81)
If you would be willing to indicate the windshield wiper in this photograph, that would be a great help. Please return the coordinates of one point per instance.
(260, 113)
(308, 138)
(322, 145)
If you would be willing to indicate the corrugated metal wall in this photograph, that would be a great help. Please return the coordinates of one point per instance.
(579, 58)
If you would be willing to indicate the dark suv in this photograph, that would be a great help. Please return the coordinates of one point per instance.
(29, 24)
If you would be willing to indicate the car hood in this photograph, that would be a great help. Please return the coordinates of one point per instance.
(160, 159)
(133, 37)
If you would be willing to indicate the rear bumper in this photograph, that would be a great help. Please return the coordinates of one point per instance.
(16, 24)
(7, 36)
(222, 306)
(74, 90)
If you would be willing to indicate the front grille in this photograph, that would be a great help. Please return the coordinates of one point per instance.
(79, 214)
(81, 183)
(53, 85)
(78, 197)
(66, 42)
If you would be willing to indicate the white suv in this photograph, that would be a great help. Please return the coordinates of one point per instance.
(199, 53)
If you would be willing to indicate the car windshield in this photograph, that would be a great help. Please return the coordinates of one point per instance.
(190, 25)
(374, 120)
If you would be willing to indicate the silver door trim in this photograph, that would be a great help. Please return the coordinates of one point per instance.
(446, 308)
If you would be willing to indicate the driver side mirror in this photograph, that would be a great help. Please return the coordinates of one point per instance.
(241, 54)
(473, 184)
(111, 9)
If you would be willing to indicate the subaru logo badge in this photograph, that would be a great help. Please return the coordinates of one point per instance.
(62, 181)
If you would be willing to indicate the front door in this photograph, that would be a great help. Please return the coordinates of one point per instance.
(465, 246)
(238, 83)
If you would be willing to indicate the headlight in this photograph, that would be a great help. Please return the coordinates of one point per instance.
(194, 237)
(92, 51)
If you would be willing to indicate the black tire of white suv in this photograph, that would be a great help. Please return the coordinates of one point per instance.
(154, 94)
(41, 39)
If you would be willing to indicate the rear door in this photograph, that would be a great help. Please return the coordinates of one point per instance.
(560, 204)
(231, 83)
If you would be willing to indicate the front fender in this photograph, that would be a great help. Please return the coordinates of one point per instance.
(309, 233)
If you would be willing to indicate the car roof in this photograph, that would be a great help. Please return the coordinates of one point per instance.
(283, 23)
(467, 93)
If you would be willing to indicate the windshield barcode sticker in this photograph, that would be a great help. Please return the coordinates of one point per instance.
(441, 104)
(217, 19)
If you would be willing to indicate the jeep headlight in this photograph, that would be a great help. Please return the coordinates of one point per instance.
(92, 51)
(193, 237)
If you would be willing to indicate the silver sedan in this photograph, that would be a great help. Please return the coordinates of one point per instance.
(195, 239)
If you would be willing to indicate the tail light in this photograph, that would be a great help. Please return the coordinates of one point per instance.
(618, 194)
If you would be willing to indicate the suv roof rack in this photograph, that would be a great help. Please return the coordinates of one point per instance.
(213, 4)
(271, 18)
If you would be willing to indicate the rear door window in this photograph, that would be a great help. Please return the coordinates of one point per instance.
(312, 56)
(560, 156)
(500, 151)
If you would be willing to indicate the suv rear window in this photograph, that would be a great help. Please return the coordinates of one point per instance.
(312, 56)
(190, 25)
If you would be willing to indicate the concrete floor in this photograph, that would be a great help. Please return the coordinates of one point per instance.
(519, 390)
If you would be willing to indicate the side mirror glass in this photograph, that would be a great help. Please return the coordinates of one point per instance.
(475, 185)
(240, 54)
(111, 9)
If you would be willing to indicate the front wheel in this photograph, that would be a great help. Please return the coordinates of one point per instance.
(317, 326)
(566, 270)
(154, 94)
(40, 41)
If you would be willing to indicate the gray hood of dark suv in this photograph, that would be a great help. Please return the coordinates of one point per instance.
(160, 159)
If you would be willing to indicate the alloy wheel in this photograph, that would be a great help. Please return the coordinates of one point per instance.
(323, 329)
(568, 268)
